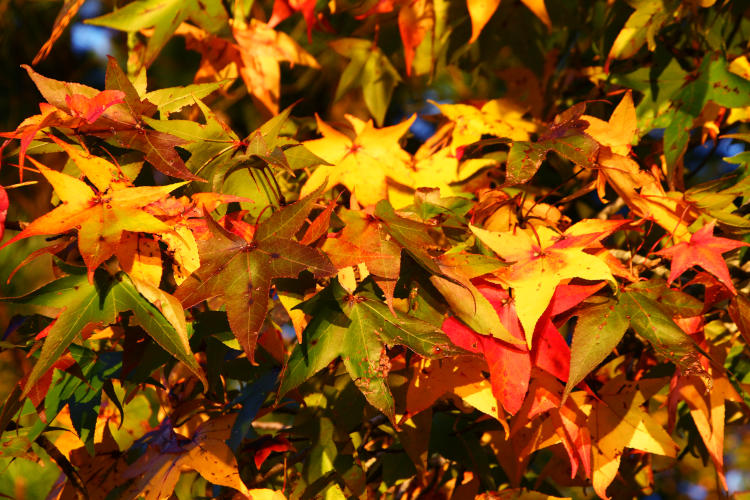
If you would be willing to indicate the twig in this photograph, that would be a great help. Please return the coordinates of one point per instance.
(65, 465)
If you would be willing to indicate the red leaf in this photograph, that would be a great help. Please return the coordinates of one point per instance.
(3, 210)
(91, 108)
(277, 444)
(703, 249)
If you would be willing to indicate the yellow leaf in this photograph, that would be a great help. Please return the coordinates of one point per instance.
(438, 170)
(618, 421)
(363, 163)
(644, 194)
(214, 460)
(184, 249)
(542, 259)
(498, 117)
(100, 217)
(539, 10)
(461, 376)
(619, 130)
(480, 12)
(265, 494)
(169, 306)
(140, 257)
(102, 174)
(707, 410)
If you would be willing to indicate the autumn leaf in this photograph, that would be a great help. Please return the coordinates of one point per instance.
(497, 117)
(261, 49)
(241, 270)
(481, 12)
(541, 261)
(365, 241)
(359, 328)
(598, 330)
(80, 109)
(618, 132)
(79, 305)
(707, 408)
(460, 376)
(618, 421)
(510, 365)
(565, 137)
(164, 18)
(100, 215)
(3, 210)
(705, 250)
(641, 27)
(363, 161)
(67, 12)
(369, 69)
(415, 20)
(156, 472)
(282, 9)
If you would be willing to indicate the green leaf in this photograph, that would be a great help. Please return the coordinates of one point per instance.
(87, 306)
(411, 235)
(726, 88)
(419, 336)
(366, 359)
(642, 26)
(370, 69)
(241, 271)
(173, 99)
(358, 328)
(650, 321)
(598, 330)
(525, 158)
(164, 16)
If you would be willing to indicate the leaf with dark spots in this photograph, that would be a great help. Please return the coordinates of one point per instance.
(597, 332)
(648, 319)
(565, 137)
(241, 271)
(358, 329)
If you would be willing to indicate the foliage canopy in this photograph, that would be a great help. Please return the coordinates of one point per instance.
(392, 248)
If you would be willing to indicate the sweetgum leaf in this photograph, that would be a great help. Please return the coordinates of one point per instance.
(164, 17)
(173, 99)
(650, 321)
(85, 306)
(598, 330)
(359, 328)
(241, 270)
(411, 235)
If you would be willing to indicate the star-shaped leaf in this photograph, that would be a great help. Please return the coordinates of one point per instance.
(704, 249)
(542, 260)
(80, 305)
(363, 161)
(100, 215)
(240, 270)
(358, 328)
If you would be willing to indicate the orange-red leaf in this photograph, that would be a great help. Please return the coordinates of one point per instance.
(704, 249)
